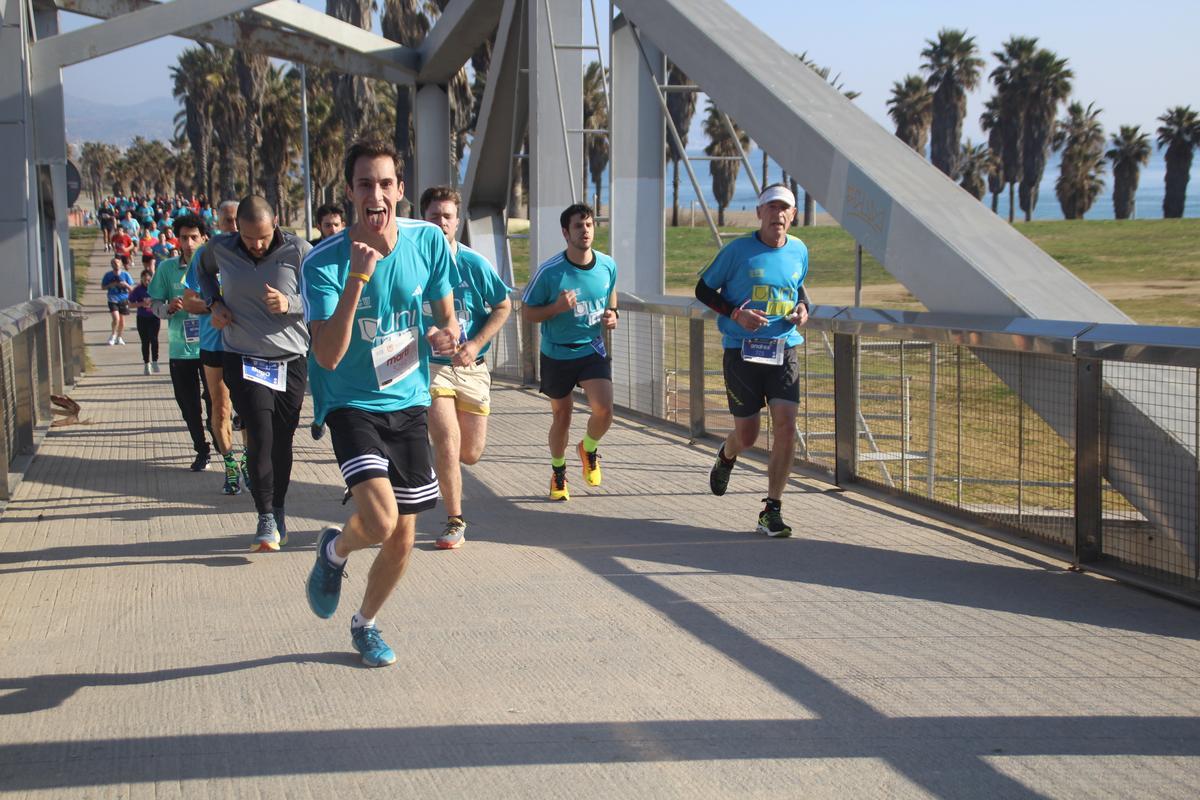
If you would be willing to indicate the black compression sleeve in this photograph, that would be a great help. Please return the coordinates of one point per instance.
(713, 299)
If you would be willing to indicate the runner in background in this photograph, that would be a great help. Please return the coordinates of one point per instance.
(147, 321)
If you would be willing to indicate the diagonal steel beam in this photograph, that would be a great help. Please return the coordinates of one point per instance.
(343, 34)
(459, 31)
(127, 30)
(259, 35)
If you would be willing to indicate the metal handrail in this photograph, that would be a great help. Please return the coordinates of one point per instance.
(41, 353)
(1145, 344)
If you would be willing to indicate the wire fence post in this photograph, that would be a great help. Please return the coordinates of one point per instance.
(1088, 453)
(845, 408)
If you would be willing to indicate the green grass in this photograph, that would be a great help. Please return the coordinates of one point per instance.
(82, 242)
(1140, 252)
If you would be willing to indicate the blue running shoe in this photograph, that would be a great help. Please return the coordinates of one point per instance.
(368, 642)
(325, 580)
(280, 525)
(266, 540)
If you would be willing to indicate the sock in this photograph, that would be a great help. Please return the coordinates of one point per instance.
(724, 460)
(230, 461)
(590, 444)
(359, 621)
(560, 461)
(331, 552)
(773, 504)
(453, 517)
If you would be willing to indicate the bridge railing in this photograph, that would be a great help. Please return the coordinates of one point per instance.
(41, 353)
(997, 419)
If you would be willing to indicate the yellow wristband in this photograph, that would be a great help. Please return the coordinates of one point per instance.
(361, 277)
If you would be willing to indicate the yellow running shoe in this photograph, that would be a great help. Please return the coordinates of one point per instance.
(558, 484)
(591, 465)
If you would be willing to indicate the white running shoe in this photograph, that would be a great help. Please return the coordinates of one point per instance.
(112, 340)
(145, 369)
(120, 340)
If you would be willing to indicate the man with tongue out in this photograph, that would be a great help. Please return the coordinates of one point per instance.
(363, 293)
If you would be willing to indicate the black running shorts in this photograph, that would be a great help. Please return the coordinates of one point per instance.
(386, 444)
(212, 358)
(750, 386)
(560, 376)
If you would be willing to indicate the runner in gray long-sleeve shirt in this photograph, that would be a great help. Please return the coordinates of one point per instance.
(257, 307)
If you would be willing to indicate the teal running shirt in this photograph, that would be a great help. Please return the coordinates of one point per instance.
(477, 288)
(571, 334)
(418, 269)
(769, 277)
(210, 337)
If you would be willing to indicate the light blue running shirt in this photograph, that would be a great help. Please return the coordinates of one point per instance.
(210, 337)
(570, 334)
(769, 277)
(477, 289)
(418, 269)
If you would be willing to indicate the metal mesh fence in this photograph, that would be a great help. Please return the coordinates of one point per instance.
(948, 424)
(1149, 421)
(968, 426)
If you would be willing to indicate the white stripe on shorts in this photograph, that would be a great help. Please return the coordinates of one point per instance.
(412, 495)
(364, 464)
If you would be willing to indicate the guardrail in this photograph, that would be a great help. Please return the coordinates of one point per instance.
(41, 353)
(1012, 421)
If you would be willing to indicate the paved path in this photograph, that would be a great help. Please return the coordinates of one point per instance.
(635, 642)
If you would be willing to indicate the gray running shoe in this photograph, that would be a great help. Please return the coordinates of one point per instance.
(453, 536)
(267, 538)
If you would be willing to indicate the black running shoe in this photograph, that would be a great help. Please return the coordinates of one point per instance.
(201, 462)
(718, 476)
(770, 521)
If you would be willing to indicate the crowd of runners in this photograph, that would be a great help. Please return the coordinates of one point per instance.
(388, 322)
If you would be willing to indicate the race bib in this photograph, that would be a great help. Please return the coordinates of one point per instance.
(763, 351)
(395, 357)
(191, 330)
(271, 374)
(462, 329)
(598, 346)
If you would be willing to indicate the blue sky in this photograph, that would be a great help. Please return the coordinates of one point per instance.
(1133, 62)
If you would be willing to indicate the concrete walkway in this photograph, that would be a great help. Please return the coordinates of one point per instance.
(637, 641)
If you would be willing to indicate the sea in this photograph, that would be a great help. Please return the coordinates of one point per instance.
(1148, 200)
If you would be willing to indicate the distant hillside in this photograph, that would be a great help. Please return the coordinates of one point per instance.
(98, 121)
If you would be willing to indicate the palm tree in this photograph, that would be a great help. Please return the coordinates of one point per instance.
(723, 146)
(973, 164)
(1180, 134)
(911, 108)
(1008, 110)
(1130, 152)
(953, 66)
(1081, 138)
(251, 70)
(595, 117)
(95, 160)
(989, 123)
(281, 128)
(682, 107)
(194, 87)
(352, 95)
(325, 137)
(1043, 83)
(226, 112)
